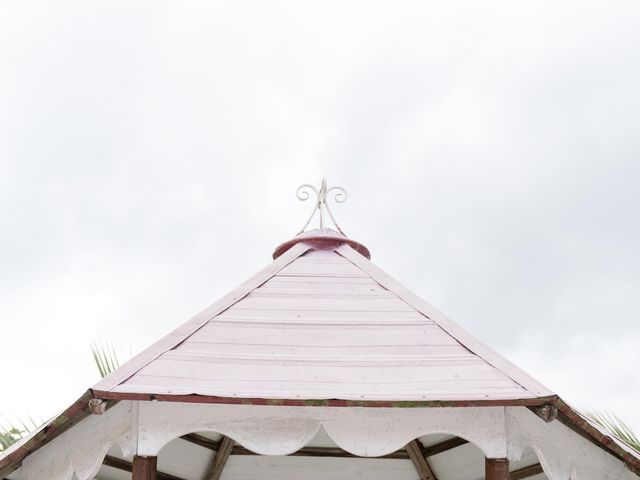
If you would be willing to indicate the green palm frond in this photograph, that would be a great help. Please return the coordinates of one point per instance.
(616, 427)
(106, 357)
(10, 433)
(9, 436)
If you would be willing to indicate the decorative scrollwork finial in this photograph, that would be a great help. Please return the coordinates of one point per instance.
(304, 193)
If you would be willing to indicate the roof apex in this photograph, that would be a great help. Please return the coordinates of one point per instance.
(322, 239)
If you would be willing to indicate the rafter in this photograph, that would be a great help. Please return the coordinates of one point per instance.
(220, 459)
(419, 461)
(526, 472)
(443, 446)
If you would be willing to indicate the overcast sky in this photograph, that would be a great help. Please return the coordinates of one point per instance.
(150, 152)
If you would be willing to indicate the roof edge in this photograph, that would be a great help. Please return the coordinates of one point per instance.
(12, 458)
(332, 402)
(463, 336)
(188, 328)
(79, 410)
(574, 420)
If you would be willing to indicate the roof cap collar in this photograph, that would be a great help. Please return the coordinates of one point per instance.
(322, 239)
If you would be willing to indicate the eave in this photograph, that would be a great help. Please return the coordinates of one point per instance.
(75, 413)
(524, 402)
(80, 409)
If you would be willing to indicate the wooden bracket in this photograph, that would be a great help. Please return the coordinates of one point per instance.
(220, 459)
(97, 406)
(419, 461)
(547, 412)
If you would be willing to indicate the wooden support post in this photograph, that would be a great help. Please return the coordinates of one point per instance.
(121, 464)
(145, 468)
(419, 461)
(220, 459)
(496, 469)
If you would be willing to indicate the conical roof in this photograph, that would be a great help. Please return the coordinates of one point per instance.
(322, 323)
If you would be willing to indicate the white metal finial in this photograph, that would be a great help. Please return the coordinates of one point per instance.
(321, 202)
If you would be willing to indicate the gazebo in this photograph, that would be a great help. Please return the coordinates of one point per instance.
(321, 366)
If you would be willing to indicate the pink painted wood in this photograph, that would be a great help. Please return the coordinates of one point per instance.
(465, 338)
(185, 330)
(323, 324)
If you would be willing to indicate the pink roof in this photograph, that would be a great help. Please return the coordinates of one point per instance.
(322, 322)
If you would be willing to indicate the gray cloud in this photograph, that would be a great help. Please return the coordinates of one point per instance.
(150, 152)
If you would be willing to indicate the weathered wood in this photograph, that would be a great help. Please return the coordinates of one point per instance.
(220, 459)
(145, 468)
(402, 454)
(496, 469)
(287, 402)
(419, 461)
(126, 466)
(77, 412)
(526, 472)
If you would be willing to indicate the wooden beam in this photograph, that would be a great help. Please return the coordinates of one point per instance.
(120, 464)
(220, 459)
(202, 441)
(520, 474)
(193, 398)
(526, 472)
(145, 468)
(402, 454)
(443, 446)
(496, 469)
(419, 461)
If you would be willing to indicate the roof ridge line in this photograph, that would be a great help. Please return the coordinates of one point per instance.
(465, 338)
(185, 330)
